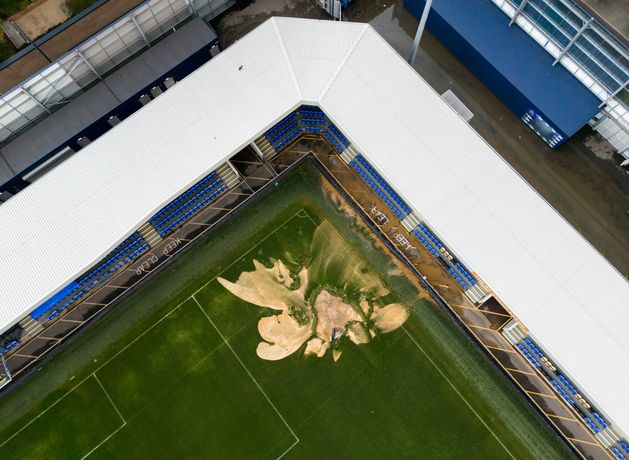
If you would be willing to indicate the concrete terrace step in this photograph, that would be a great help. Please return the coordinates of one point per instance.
(149, 234)
(30, 326)
(264, 148)
(228, 175)
(348, 154)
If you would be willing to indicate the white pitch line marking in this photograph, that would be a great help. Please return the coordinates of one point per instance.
(148, 329)
(250, 376)
(109, 398)
(104, 441)
(458, 392)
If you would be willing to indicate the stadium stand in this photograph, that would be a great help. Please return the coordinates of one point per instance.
(570, 394)
(306, 119)
(187, 204)
(165, 221)
(380, 186)
(545, 289)
(402, 210)
(124, 253)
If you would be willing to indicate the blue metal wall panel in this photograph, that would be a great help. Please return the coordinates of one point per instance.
(509, 62)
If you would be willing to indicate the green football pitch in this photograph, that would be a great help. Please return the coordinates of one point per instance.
(172, 372)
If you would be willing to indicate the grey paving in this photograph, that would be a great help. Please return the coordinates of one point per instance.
(102, 98)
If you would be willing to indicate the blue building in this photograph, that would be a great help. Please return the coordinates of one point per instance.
(547, 97)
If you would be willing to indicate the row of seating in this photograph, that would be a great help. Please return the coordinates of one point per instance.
(9, 346)
(314, 121)
(529, 356)
(591, 425)
(337, 146)
(533, 347)
(624, 446)
(431, 236)
(183, 196)
(599, 419)
(287, 140)
(458, 278)
(282, 133)
(306, 111)
(196, 208)
(75, 296)
(425, 242)
(377, 189)
(339, 135)
(403, 206)
(562, 392)
(164, 223)
(126, 247)
(567, 383)
(619, 454)
(280, 125)
(313, 129)
(467, 275)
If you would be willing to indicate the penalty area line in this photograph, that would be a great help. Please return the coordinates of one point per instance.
(251, 377)
(124, 422)
(419, 347)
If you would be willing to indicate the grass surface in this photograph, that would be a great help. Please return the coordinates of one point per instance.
(9, 7)
(167, 374)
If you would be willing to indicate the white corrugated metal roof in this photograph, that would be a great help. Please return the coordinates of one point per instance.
(574, 302)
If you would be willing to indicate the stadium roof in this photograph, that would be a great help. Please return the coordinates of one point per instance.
(571, 298)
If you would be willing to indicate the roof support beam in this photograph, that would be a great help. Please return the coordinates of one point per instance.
(140, 31)
(518, 12)
(34, 99)
(87, 63)
(583, 28)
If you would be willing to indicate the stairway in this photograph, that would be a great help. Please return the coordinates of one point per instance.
(149, 234)
(228, 175)
(264, 148)
(410, 222)
(348, 154)
(513, 332)
(30, 326)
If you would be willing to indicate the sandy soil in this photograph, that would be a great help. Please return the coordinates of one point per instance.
(390, 317)
(397, 268)
(283, 336)
(332, 314)
(321, 324)
(358, 333)
(40, 17)
(269, 287)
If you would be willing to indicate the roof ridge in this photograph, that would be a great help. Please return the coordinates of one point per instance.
(342, 63)
(287, 58)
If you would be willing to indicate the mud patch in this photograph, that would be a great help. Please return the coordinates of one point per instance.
(336, 295)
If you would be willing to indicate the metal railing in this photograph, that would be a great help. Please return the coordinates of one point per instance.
(72, 73)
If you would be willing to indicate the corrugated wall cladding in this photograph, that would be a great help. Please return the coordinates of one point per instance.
(509, 62)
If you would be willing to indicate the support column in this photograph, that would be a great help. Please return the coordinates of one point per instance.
(420, 30)
(518, 12)
(140, 31)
